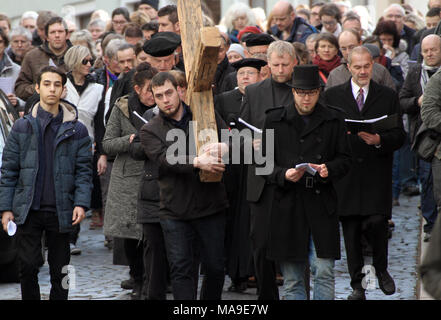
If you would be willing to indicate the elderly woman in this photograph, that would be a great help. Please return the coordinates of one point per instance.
(393, 46)
(120, 220)
(96, 28)
(87, 96)
(9, 71)
(238, 16)
(327, 58)
(84, 38)
(235, 53)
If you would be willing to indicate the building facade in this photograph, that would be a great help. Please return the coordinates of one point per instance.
(80, 10)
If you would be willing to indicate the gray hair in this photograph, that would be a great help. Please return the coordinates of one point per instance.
(20, 31)
(312, 37)
(74, 57)
(280, 48)
(84, 35)
(358, 50)
(29, 15)
(112, 47)
(125, 46)
(396, 6)
(97, 23)
(236, 10)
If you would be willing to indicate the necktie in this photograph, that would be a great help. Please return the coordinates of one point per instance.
(360, 99)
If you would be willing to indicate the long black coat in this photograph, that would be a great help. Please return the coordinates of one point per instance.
(237, 236)
(297, 210)
(227, 104)
(367, 188)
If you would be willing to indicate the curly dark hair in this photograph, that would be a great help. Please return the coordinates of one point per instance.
(388, 27)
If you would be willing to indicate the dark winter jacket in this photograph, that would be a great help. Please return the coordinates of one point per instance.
(148, 196)
(299, 32)
(72, 167)
(182, 195)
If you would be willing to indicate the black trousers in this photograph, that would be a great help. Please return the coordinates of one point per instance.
(156, 269)
(265, 269)
(134, 253)
(375, 229)
(29, 254)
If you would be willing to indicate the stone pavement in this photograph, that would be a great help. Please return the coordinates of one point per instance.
(96, 278)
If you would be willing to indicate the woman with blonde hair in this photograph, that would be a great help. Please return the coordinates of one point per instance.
(87, 96)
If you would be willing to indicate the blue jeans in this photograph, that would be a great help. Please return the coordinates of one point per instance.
(322, 271)
(428, 203)
(181, 240)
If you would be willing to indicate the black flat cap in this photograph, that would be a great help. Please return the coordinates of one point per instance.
(261, 39)
(249, 62)
(162, 44)
(153, 3)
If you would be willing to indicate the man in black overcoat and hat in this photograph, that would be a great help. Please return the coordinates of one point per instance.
(365, 193)
(303, 222)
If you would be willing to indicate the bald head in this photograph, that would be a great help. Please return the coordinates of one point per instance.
(431, 50)
(283, 15)
(348, 40)
(282, 6)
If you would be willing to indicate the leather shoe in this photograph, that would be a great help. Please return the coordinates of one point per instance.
(357, 294)
(386, 283)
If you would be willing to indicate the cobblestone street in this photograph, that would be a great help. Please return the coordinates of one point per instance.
(96, 278)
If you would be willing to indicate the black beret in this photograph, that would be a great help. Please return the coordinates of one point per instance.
(153, 3)
(162, 44)
(261, 39)
(249, 62)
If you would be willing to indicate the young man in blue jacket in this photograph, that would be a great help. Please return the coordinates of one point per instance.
(46, 183)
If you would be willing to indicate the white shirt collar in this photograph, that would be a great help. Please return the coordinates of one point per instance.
(356, 89)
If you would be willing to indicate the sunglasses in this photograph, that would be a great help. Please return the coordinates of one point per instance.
(85, 61)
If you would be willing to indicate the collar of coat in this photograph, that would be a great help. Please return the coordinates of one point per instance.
(69, 111)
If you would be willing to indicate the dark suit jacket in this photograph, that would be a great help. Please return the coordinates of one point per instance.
(257, 100)
(367, 188)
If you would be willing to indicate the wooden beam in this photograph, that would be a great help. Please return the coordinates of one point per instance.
(200, 48)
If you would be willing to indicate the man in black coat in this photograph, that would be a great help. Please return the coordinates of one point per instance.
(191, 212)
(258, 98)
(238, 244)
(303, 219)
(365, 193)
(411, 100)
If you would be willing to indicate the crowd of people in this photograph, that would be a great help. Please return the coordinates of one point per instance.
(96, 106)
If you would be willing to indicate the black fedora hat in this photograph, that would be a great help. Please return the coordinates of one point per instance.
(305, 77)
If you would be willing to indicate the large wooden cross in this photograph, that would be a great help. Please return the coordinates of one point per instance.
(200, 47)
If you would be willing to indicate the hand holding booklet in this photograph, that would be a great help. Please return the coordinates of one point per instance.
(309, 169)
(375, 125)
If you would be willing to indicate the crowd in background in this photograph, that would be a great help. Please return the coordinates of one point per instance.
(110, 65)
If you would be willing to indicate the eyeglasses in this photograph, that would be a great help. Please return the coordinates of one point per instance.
(303, 93)
(86, 61)
(120, 22)
(329, 23)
